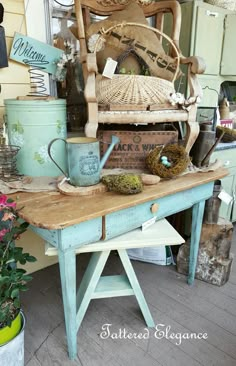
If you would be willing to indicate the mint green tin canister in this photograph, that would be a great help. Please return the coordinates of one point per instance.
(32, 124)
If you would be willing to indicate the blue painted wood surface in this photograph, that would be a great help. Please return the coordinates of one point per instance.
(89, 283)
(30, 51)
(68, 283)
(113, 225)
(128, 219)
(95, 286)
(73, 236)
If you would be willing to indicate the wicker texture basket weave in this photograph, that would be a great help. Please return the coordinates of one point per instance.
(226, 4)
(133, 89)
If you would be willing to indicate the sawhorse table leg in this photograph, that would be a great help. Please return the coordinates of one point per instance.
(95, 286)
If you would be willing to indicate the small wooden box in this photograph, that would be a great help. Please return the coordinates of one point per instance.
(131, 152)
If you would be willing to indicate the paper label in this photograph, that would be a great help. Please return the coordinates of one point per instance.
(109, 68)
(148, 223)
(225, 197)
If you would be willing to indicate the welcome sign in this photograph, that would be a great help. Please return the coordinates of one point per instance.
(34, 53)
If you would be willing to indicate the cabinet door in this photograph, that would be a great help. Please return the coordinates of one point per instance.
(228, 64)
(210, 85)
(209, 38)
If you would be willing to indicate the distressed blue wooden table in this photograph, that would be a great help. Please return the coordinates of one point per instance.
(69, 222)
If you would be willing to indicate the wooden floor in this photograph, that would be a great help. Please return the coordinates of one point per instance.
(203, 308)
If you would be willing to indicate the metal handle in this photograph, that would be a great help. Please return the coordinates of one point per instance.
(213, 14)
(49, 153)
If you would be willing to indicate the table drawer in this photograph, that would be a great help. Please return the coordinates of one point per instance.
(128, 219)
(131, 218)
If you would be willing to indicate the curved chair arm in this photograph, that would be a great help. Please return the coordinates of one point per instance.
(91, 71)
(196, 65)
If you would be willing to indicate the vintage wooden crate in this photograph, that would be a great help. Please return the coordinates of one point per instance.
(130, 153)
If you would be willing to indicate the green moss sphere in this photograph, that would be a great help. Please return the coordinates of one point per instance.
(123, 183)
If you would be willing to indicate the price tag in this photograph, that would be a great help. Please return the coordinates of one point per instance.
(109, 68)
(148, 223)
(225, 197)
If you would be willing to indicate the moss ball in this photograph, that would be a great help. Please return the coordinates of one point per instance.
(123, 183)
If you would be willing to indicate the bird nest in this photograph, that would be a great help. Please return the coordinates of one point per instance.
(177, 158)
(229, 134)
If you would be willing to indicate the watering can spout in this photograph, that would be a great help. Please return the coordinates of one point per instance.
(114, 140)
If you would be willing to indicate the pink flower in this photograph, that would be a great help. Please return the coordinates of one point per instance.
(4, 203)
(2, 233)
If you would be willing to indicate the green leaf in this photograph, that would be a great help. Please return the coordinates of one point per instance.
(15, 293)
(31, 258)
(17, 303)
(27, 278)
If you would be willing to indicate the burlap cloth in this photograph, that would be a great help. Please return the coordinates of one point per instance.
(190, 169)
(43, 184)
(30, 184)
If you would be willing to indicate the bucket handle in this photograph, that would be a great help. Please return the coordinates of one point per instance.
(49, 153)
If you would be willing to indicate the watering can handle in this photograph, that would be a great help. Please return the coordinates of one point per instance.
(49, 153)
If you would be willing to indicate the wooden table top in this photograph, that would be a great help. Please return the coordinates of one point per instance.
(53, 210)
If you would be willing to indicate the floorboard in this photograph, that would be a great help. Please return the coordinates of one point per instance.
(184, 309)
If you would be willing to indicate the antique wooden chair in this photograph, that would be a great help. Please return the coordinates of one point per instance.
(135, 111)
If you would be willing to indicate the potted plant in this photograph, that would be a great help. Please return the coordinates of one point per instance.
(13, 280)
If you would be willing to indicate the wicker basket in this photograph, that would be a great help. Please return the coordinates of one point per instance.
(226, 4)
(133, 89)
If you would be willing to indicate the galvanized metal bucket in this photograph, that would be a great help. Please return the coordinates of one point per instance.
(32, 124)
(12, 353)
(83, 158)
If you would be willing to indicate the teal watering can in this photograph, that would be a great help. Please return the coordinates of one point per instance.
(83, 159)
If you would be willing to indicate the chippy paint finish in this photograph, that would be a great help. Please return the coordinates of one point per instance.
(70, 238)
(93, 286)
(73, 236)
(83, 159)
(117, 222)
(27, 121)
(30, 51)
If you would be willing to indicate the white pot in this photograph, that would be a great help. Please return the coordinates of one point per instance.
(12, 353)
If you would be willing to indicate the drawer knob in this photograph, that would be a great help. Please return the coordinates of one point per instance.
(154, 207)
